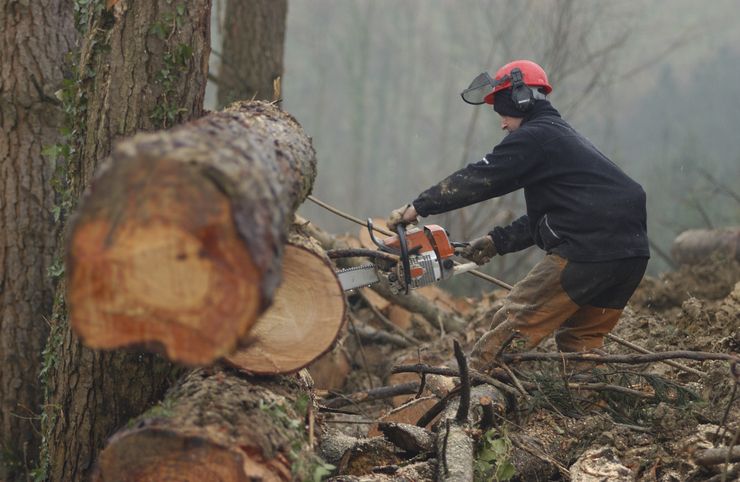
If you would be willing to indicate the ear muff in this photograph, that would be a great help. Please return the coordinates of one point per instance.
(521, 94)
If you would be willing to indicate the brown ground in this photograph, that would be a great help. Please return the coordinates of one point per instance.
(560, 434)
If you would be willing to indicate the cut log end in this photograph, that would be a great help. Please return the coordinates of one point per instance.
(168, 251)
(303, 322)
(154, 455)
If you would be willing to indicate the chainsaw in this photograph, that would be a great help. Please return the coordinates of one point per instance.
(413, 258)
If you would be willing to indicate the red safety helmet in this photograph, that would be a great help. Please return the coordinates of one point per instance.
(532, 74)
(523, 72)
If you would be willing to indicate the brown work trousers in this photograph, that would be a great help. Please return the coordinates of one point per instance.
(580, 302)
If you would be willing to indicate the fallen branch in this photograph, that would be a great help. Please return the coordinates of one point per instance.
(371, 335)
(373, 394)
(627, 359)
(631, 345)
(502, 380)
(462, 410)
(719, 456)
(476, 377)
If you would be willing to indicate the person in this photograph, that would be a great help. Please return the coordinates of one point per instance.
(585, 213)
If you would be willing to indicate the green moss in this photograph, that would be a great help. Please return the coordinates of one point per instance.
(305, 464)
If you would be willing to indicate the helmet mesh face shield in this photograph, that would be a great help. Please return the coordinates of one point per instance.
(476, 92)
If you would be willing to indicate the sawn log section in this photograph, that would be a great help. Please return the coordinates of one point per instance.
(217, 425)
(179, 241)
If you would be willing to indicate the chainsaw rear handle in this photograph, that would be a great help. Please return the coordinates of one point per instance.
(401, 230)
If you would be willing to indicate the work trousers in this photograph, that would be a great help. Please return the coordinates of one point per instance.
(579, 302)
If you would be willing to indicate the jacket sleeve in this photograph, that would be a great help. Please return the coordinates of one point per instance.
(514, 237)
(500, 172)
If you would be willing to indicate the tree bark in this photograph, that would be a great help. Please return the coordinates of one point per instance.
(216, 425)
(34, 38)
(304, 321)
(252, 50)
(142, 66)
(179, 243)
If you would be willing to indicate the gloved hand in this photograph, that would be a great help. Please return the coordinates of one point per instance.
(404, 215)
(480, 250)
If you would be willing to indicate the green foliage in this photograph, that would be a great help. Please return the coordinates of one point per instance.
(166, 113)
(493, 458)
(49, 361)
(84, 12)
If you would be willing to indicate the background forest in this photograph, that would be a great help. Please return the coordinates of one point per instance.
(652, 83)
(375, 83)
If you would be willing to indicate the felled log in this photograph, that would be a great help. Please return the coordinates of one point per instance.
(216, 425)
(178, 244)
(696, 245)
(305, 319)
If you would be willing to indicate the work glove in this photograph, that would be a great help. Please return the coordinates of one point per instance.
(402, 216)
(480, 250)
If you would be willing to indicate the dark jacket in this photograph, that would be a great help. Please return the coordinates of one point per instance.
(580, 205)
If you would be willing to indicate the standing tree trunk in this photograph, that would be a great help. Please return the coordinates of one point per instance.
(252, 49)
(142, 66)
(34, 38)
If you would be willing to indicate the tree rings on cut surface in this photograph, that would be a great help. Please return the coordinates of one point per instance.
(303, 321)
(166, 268)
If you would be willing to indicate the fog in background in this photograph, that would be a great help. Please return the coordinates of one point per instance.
(654, 84)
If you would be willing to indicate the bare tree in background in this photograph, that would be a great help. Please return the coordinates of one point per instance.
(252, 49)
(34, 37)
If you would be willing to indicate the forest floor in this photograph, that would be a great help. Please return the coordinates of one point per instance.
(656, 432)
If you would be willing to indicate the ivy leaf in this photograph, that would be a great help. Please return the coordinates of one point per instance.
(505, 471)
(52, 151)
(322, 471)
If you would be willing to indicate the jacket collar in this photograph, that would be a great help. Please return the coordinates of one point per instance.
(540, 108)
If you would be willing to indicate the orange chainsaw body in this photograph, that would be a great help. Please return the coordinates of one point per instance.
(429, 251)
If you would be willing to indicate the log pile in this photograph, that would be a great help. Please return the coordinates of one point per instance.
(179, 241)
(189, 251)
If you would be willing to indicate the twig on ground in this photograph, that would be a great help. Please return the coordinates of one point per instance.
(628, 359)
(388, 323)
(362, 351)
(438, 407)
(513, 377)
(407, 404)
(372, 395)
(628, 344)
(372, 335)
(542, 456)
(449, 372)
(462, 363)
